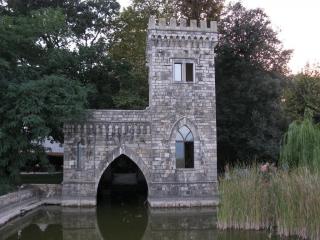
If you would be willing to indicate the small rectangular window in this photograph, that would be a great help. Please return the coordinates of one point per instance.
(189, 72)
(178, 72)
(183, 71)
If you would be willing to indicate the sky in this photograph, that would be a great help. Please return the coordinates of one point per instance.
(298, 24)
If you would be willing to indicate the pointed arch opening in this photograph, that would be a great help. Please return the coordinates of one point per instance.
(122, 182)
(184, 148)
(122, 189)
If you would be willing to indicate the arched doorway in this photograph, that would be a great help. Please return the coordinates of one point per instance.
(122, 181)
(122, 200)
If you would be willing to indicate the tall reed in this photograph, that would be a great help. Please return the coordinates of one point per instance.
(297, 203)
(245, 200)
(286, 202)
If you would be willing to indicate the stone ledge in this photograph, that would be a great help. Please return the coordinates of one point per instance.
(6, 216)
(34, 195)
(182, 202)
(78, 203)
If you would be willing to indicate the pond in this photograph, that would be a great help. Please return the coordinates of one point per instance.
(122, 220)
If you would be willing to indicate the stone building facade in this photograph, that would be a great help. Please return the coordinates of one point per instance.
(173, 141)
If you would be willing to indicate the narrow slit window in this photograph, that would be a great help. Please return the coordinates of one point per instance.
(79, 148)
(189, 72)
(178, 72)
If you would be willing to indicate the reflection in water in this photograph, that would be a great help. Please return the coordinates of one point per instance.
(126, 221)
(123, 217)
(42, 223)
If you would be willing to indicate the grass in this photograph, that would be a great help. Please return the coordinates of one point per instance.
(46, 178)
(288, 203)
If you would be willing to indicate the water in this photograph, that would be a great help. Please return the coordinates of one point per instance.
(122, 217)
(125, 222)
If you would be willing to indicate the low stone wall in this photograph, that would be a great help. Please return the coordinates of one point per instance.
(49, 193)
(28, 198)
(21, 196)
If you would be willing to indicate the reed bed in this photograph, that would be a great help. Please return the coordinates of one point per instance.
(287, 203)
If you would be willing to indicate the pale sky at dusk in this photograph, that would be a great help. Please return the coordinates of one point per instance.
(298, 24)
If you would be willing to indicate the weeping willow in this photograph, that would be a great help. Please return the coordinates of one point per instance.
(301, 145)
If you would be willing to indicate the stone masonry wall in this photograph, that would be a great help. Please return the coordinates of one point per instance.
(147, 137)
(104, 136)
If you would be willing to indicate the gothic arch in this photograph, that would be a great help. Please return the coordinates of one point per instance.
(187, 122)
(113, 155)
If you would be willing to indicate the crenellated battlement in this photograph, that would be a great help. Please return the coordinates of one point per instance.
(175, 32)
(181, 25)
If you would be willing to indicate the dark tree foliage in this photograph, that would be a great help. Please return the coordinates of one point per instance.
(78, 48)
(302, 95)
(30, 112)
(49, 62)
(35, 98)
(54, 62)
(199, 9)
(90, 22)
(130, 45)
(250, 75)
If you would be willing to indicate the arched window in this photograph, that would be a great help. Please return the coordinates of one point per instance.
(184, 148)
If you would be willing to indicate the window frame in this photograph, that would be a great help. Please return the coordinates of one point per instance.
(174, 71)
(183, 63)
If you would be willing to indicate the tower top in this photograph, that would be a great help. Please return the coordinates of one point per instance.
(163, 24)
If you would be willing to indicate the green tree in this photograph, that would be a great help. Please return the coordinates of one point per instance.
(199, 9)
(301, 144)
(303, 94)
(90, 22)
(30, 112)
(250, 74)
(129, 45)
(35, 101)
(53, 54)
(78, 49)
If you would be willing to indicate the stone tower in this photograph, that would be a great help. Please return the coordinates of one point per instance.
(173, 141)
(182, 93)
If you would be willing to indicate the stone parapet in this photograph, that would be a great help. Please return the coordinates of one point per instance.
(181, 25)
